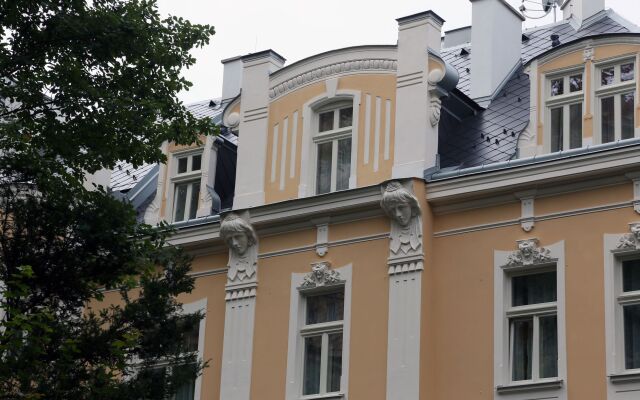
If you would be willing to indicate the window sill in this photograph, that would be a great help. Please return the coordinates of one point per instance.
(324, 396)
(625, 377)
(530, 386)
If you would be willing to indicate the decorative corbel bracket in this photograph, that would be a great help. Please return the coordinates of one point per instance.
(528, 254)
(635, 179)
(322, 238)
(527, 217)
(436, 93)
(631, 241)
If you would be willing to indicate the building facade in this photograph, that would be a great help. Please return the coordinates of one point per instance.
(451, 217)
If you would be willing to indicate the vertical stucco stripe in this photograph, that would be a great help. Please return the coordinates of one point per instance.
(376, 145)
(274, 153)
(294, 146)
(283, 153)
(367, 127)
(387, 129)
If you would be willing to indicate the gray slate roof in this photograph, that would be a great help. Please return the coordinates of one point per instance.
(473, 141)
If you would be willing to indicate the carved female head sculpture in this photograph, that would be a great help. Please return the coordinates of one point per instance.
(399, 204)
(241, 239)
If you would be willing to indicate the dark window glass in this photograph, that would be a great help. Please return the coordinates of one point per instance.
(334, 364)
(195, 162)
(191, 338)
(557, 87)
(346, 117)
(627, 111)
(575, 125)
(323, 172)
(557, 127)
(325, 308)
(632, 336)
(182, 164)
(344, 164)
(312, 354)
(627, 72)
(575, 83)
(607, 115)
(548, 346)
(630, 275)
(522, 333)
(181, 201)
(326, 121)
(195, 194)
(533, 289)
(186, 391)
(607, 76)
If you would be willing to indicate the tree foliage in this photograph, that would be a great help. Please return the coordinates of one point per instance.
(83, 85)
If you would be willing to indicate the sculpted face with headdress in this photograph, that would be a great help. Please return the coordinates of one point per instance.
(403, 209)
(241, 240)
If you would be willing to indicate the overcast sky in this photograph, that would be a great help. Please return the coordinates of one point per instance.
(300, 28)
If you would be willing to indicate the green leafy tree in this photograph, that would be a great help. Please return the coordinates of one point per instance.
(84, 84)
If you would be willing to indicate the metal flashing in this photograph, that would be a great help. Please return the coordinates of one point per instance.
(420, 16)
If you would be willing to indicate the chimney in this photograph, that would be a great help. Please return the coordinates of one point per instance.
(580, 10)
(231, 77)
(254, 113)
(496, 40)
(416, 141)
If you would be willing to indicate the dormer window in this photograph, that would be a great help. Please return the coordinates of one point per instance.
(186, 181)
(565, 110)
(332, 142)
(616, 100)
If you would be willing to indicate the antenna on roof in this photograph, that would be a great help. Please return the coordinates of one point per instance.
(541, 9)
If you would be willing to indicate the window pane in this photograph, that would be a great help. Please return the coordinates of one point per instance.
(344, 164)
(548, 346)
(182, 164)
(575, 83)
(607, 76)
(627, 111)
(346, 117)
(326, 121)
(193, 203)
(557, 86)
(323, 173)
(325, 308)
(191, 338)
(630, 275)
(533, 289)
(186, 391)
(181, 201)
(632, 336)
(334, 363)
(557, 125)
(608, 133)
(312, 351)
(195, 162)
(575, 125)
(627, 72)
(522, 333)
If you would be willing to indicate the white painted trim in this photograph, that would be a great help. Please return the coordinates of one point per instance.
(283, 153)
(294, 146)
(274, 152)
(376, 138)
(367, 128)
(501, 290)
(387, 129)
(621, 384)
(295, 347)
(190, 308)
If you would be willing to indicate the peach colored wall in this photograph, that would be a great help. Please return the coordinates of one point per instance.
(576, 59)
(376, 85)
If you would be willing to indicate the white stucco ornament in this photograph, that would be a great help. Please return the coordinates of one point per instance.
(233, 120)
(435, 103)
(631, 240)
(403, 209)
(242, 241)
(528, 253)
(321, 275)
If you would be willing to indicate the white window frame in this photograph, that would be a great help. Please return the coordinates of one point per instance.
(333, 136)
(310, 118)
(616, 89)
(565, 101)
(621, 382)
(505, 388)
(298, 331)
(185, 177)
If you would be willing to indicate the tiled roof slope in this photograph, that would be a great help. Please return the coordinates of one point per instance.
(125, 176)
(465, 144)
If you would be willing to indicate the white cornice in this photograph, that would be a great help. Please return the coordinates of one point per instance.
(604, 164)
